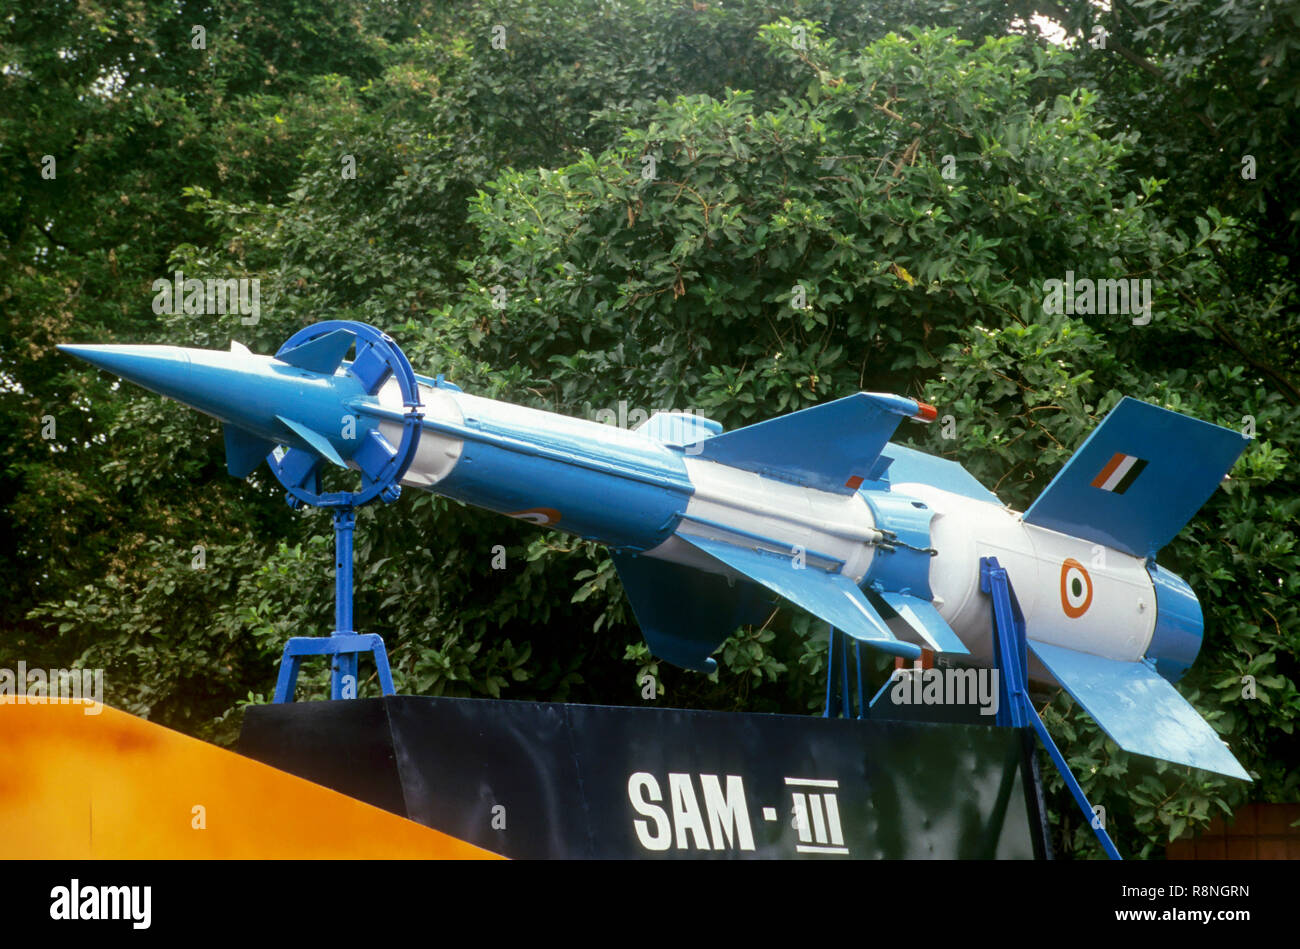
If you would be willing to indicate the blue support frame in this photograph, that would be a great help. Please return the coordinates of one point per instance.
(378, 358)
(839, 697)
(1016, 710)
(344, 645)
(1011, 659)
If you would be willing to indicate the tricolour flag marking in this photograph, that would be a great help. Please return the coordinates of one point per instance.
(1119, 473)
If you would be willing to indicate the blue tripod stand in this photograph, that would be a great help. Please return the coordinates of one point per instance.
(378, 359)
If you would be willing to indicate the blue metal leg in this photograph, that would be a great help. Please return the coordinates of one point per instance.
(381, 665)
(288, 678)
(344, 646)
(830, 676)
(845, 699)
(839, 697)
(343, 675)
(1013, 661)
(857, 658)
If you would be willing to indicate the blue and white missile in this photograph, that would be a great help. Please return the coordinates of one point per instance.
(818, 506)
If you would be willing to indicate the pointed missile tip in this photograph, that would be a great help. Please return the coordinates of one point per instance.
(93, 353)
(80, 350)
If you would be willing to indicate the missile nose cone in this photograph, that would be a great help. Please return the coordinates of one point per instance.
(158, 368)
(87, 352)
(268, 399)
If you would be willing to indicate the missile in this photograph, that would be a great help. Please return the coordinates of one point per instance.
(818, 507)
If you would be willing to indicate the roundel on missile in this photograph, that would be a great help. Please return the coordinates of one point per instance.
(1076, 588)
(542, 516)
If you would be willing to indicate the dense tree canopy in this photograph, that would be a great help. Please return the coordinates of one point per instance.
(721, 206)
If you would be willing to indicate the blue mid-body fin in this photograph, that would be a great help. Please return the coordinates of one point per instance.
(1140, 476)
(833, 446)
(679, 428)
(1139, 709)
(832, 597)
(684, 613)
(244, 450)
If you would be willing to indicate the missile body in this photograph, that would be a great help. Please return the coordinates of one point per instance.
(818, 507)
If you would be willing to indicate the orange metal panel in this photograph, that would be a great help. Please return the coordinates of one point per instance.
(114, 786)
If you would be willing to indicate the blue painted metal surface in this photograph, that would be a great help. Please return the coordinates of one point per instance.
(604, 483)
(1179, 624)
(1140, 710)
(902, 563)
(601, 482)
(832, 446)
(378, 358)
(816, 558)
(343, 677)
(1015, 709)
(686, 614)
(679, 429)
(316, 441)
(832, 708)
(301, 647)
(244, 451)
(321, 348)
(840, 701)
(831, 596)
(319, 352)
(1010, 645)
(857, 661)
(907, 465)
(921, 615)
(1163, 466)
(247, 392)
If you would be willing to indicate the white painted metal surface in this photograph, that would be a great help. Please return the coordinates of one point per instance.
(436, 453)
(1073, 593)
(796, 518)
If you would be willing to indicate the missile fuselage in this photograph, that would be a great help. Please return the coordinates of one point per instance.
(819, 507)
(638, 493)
(630, 491)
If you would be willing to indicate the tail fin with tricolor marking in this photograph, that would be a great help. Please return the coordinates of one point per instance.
(1140, 476)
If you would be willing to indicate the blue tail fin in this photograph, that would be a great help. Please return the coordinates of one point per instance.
(1139, 710)
(1140, 476)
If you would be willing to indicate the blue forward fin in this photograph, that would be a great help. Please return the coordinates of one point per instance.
(1139, 709)
(323, 354)
(315, 439)
(925, 620)
(1140, 476)
(833, 446)
(832, 597)
(244, 451)
(684, 613)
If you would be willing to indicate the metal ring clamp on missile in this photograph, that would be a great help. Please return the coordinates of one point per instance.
(378, 358)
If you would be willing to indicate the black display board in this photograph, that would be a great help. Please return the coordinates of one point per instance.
(538, 780)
